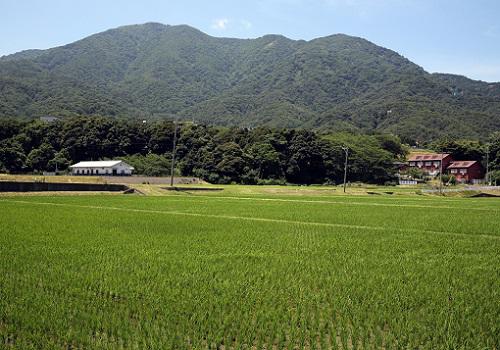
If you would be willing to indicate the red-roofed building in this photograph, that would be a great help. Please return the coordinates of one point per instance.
(430, 163)
(466, 170)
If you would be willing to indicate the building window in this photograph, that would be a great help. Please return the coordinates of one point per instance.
(428, 163)
(419, 164)
(436, 164)
(412, 163)
(463, 171)
(454, 171)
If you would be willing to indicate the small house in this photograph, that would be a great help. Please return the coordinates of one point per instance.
(466, 170)
(104, 167)
(429, 163)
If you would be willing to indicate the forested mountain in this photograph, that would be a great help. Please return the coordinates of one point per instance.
(332, 83)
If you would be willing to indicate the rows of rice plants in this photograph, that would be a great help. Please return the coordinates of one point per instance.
(205, 272)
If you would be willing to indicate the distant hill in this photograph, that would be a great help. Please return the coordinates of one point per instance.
(337, 82)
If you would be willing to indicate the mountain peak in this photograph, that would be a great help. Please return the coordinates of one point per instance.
(334, 82)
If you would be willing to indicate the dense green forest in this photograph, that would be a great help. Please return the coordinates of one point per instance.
(217, 154)
(336, 83)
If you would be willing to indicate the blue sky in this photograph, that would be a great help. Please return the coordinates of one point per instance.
(459, 36)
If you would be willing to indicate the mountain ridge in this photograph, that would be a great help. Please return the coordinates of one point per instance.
(336, 82)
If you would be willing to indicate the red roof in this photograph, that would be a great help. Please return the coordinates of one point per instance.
(426, 157)
(462, 164)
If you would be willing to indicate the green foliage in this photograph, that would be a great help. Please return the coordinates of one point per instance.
(415, 173)
(371, 157)
(335, 83)
(452, 180)
(12, 157)
(61, 161)
(449, 179)
(150, 164)
(460, 149)
(494, 177)
(216, 154)
(38, 159)
(266, 160)
(493, 150)
(230, 160)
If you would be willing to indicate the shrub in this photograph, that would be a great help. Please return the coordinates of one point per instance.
(150, 164)
(494, 177)
(452, 180)
(213, 178)
(280, 182)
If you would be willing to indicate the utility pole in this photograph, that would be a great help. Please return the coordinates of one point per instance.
(488, 165)
(346, 150)
(441, 173)
(174, 149)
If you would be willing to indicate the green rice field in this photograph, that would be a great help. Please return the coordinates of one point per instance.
(236, 270)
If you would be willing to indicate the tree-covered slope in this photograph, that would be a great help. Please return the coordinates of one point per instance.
(336, 82)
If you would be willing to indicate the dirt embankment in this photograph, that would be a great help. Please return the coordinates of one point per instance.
(103, 179)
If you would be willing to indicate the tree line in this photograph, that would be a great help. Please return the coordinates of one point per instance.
(216, 154)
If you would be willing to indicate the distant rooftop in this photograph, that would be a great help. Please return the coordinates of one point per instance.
(426, 157)
(462, 164)
(97, 164)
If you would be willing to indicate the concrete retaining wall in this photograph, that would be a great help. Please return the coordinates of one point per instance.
(17, 186)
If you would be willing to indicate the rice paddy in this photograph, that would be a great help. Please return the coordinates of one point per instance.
(236, 270)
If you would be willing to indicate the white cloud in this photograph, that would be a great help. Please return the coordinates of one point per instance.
(220, 24)
(246, 24)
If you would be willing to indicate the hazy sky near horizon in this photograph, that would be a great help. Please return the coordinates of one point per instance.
(460, 36)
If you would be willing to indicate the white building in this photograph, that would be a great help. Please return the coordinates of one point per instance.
(104, 167)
